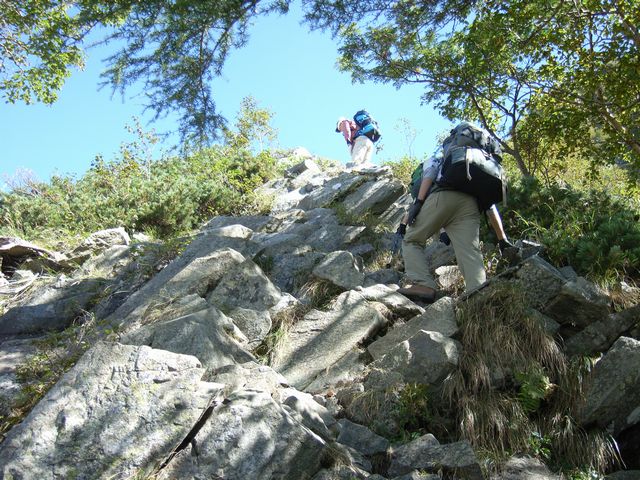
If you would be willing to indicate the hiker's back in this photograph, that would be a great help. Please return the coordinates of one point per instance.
(367, 126)
(473, 165)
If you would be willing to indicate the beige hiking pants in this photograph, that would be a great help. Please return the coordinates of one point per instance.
(458, 213)
(361, 151)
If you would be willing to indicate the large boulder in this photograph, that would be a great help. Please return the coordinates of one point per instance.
(599, 336)
(398, 304)
(321, 338)
(373, 197)
(248, 436)
(290, 271)
(342, 269)
(456, 459)
(118, 413)
(540, 281)
(361, 438)
(332, 190)
(612, 398)
(347, 369)
(198, 276)
(52, 307)
(109, 263)
(244, 285)
(525, 468)
(13, 352)
(254, 324)
(579, 303)
(424, 358)
(207, 335)
(14, 251)
(439, 317)
(97, 243)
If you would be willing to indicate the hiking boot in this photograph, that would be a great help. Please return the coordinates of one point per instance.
(419, 292)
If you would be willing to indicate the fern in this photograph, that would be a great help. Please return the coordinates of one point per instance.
(534, 387)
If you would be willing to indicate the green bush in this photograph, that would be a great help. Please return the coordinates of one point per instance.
(164, 198)
(403, 168)
(595, 233)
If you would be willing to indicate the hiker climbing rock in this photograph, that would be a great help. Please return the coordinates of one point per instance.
(454, 188)
(360, 134)
(430, 172)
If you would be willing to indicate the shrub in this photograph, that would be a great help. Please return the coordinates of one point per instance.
(403, 168)
(595, 233)
(164, 198)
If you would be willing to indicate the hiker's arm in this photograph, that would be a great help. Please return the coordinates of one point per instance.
(424, 188)
(496, 222)
(415, 207)
(345, 128)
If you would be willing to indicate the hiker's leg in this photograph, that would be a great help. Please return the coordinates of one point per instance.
(464, 231)
(368, 153)
(431, 217)
(361, 148)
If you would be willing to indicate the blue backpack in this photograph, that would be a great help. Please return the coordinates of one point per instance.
(367, 126)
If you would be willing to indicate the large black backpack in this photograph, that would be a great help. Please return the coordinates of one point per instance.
(367, 126)
(473, 164)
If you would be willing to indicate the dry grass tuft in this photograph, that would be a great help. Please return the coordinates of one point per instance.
(514, 391)
(574, 446)
(498, 327)
(495, 421)
(319, 293)
(281, 324)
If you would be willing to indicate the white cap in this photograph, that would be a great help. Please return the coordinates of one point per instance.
(340, 120)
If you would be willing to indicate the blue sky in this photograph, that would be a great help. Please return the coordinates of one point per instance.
(286, 68)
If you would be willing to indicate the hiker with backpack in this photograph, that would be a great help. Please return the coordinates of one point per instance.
(416, 180)
(360, 134)
(465, 180)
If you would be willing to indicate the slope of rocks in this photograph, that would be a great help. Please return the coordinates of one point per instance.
(198, 376)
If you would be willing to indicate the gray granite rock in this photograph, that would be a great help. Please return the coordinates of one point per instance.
(189, 275)
(321, 338)
(612, 398)
(342, 269)
(248, 436)
(244, 285)
(373, 197)
(540, 281)
(333, 189)
(456, 459)
(439, 317)
(207, 335)
(600, 335)
(361, 438)
(52, 307)
(398, 304)
(107, 417)
(579, 303)
(425, 358)
(525, 468)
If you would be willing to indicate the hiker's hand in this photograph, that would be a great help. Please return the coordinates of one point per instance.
(397, 238)
(414, 209)
(444, 238)
(504, 244)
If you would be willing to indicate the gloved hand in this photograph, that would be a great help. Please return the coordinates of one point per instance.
(414, 209)
(397, 238)
(504, 244)
(444, 238)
